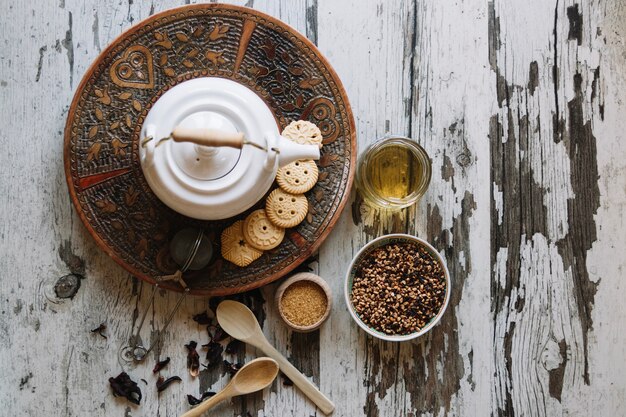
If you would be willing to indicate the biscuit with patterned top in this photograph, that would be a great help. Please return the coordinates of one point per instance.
(235, 248)
(303, 132)
(260, 232)
(286, 210)
(297, 177)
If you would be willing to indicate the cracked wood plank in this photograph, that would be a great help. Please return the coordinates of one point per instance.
(421, 70)
(545, 170)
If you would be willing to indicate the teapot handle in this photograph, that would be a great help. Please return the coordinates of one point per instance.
(208, 137)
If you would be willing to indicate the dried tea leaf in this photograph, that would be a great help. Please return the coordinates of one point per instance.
(123, 386)
(124, 96)
(193, 359)
(92, 132)
(137, 105)
(162, 383)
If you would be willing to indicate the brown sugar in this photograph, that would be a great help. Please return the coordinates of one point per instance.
(304, 303)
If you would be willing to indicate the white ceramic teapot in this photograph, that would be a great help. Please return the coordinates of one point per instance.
(211, 148)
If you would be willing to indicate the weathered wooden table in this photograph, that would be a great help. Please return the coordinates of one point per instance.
(519, 105)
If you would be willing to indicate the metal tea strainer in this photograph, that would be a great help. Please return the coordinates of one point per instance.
(191, 250)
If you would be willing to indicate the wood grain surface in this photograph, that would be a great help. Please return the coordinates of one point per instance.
(519, 105)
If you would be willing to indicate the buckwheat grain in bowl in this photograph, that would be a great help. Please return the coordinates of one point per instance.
(397, 287)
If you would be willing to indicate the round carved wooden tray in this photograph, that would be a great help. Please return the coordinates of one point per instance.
(103, 172)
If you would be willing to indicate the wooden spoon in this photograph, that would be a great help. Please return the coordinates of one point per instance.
(253, 376)
(239, 322)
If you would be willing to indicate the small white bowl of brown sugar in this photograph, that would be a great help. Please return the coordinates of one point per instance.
(397, 287)
(304, 301)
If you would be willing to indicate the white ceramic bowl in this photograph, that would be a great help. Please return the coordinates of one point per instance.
(364, 253)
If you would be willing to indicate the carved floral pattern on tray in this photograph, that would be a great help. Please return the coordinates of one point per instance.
(104, 122)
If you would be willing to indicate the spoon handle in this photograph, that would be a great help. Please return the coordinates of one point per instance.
(205, 405)
(306, 386)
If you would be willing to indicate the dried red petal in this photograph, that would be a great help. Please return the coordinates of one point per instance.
(123, 386)
(193, 359)
(162, 384)
(160, 365)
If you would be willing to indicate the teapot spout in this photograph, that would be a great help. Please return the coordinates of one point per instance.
(290, 151)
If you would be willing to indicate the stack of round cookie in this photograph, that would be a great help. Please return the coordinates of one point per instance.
(264, 229)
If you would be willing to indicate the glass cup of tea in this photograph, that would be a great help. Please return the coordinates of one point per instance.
(393, 172)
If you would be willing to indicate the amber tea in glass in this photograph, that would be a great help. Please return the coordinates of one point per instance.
(393, 172)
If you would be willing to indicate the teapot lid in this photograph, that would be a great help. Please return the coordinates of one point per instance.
(209, 182)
